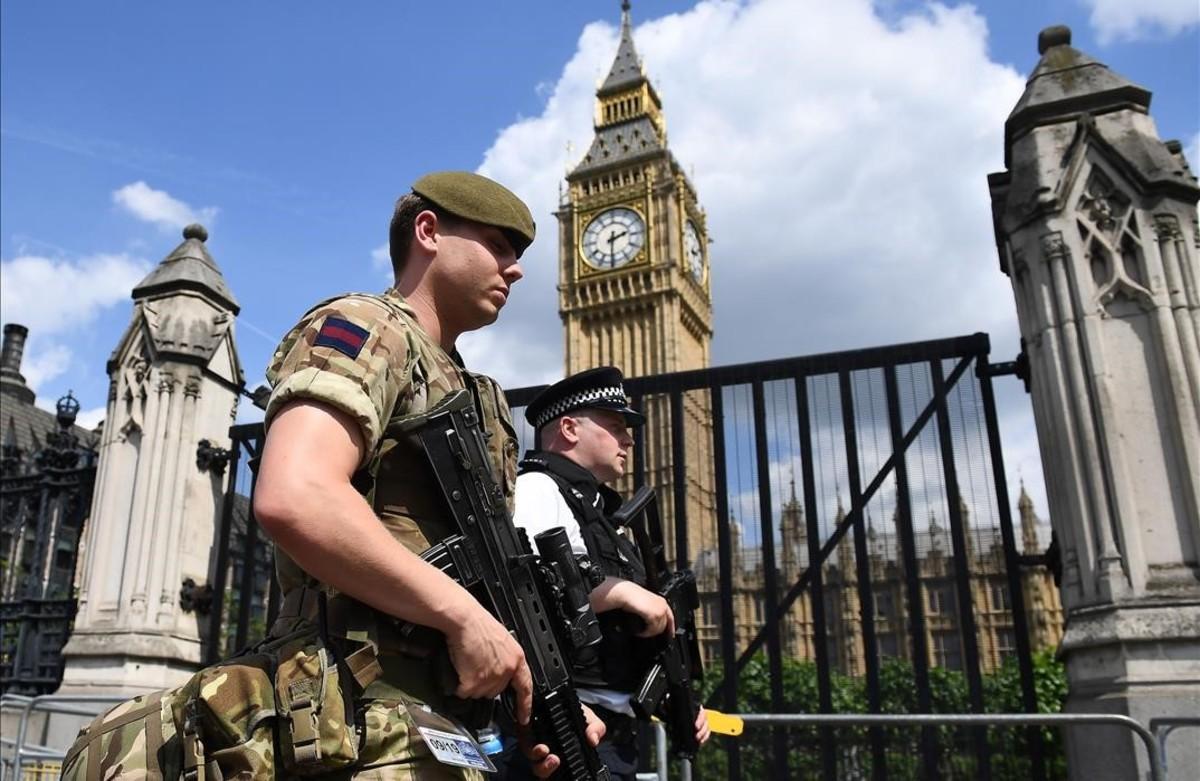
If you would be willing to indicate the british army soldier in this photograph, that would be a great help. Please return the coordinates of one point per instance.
(350, 504)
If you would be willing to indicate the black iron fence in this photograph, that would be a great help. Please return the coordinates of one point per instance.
(45, 495)
(849, 520)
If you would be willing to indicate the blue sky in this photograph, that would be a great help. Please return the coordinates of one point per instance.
(840, 149)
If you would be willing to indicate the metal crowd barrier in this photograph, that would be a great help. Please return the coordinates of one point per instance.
(47, 703)
(1162, 727)
(1154, 739)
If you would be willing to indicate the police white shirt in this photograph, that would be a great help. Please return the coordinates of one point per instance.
(540, 507)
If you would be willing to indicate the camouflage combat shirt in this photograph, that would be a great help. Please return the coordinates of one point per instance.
(367, 356)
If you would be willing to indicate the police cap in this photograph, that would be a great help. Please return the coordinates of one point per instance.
(479, 199)
(595, 388)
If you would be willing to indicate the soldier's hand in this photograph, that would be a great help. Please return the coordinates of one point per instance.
(488, 660)
(541, 761)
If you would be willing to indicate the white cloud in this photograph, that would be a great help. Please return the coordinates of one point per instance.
(158, 207)
(381, 261)
(1116, 20)
(87, 286)
(1192, 152)
(90, 418)
(512, 365)
(841, 161)
(91, 284)
(44, 364)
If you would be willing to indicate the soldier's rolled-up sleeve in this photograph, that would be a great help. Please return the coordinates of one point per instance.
(364, 383)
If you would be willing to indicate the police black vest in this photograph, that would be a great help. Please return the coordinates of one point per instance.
(623, 656)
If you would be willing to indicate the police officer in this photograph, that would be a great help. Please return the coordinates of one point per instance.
(583, 423)
(350, 505)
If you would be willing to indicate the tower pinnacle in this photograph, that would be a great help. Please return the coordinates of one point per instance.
(626, 70)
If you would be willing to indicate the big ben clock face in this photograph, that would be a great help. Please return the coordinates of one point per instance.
(613, 238)
(693, 251)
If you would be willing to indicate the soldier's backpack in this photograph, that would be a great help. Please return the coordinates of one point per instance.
(287, 703)
(217, 725)
(136, 739)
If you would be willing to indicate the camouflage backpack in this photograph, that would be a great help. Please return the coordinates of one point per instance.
(222, 723)
(136, 739)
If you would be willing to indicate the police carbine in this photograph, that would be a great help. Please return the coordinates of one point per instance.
(492, 559)
(667, 691)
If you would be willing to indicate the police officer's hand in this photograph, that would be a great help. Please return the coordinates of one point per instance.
(488, 660)
(620, 594)
(541, 761)
(703, 733)
(652, 609)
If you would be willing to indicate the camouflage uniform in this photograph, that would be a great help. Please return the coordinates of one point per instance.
(399, 372)
(233, 708)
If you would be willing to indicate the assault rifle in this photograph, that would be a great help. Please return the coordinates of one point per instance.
(492, 559)
(667, 690)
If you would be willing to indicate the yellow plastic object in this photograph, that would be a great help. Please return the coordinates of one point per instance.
(724, 724)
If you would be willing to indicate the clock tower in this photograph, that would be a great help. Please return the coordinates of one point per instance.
(634, 283)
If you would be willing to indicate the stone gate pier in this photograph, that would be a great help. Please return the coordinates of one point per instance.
(1096, 227)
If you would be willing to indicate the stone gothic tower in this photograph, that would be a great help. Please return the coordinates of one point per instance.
(1029, 538)
(793, 539)
(634, 285)
(174, 381)
(1096, 227)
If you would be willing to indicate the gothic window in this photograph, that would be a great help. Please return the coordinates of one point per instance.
(947, 650)
(888, 646)
(1000, 600)
(942, 599)
(1006, 643)
(885, 605)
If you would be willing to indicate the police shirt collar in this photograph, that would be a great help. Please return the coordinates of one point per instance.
(573, 473)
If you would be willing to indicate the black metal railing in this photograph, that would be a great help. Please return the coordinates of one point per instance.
(45, 495)
(243, 571)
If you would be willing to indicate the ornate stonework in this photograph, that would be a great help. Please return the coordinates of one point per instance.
(1113, 329)
(152, 502)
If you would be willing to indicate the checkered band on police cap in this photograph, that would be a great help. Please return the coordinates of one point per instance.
(601, 387)
(613, 395)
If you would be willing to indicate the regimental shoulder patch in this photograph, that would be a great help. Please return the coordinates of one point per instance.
(342, 335)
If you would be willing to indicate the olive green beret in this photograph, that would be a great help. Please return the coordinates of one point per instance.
(479, 199)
